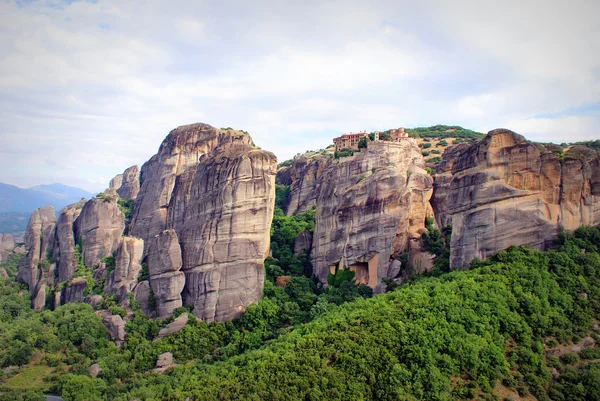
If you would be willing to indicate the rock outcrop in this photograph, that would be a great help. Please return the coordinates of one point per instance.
(99, 227)
(130, 186)
(303, 179)
(368, 205)
(116, 182)
(74, 289)
(164, 265)
(216, 191)
(174, 326)
(7, 242)
(128, 265)
(503, 191)
(94, 370)
(64, 247)
(141, 293)
(39, 241)
(164, 362)
(115, 326)
(303, 242)
(201, 220)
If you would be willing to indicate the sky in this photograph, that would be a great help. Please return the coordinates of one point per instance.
(89, 88)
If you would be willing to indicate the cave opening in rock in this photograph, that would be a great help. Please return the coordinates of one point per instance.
(361, 271)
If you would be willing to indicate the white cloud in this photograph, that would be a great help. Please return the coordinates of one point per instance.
(89, 88)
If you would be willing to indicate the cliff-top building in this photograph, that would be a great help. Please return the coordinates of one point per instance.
(350, 141)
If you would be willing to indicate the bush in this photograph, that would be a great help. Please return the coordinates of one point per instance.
(570, 358)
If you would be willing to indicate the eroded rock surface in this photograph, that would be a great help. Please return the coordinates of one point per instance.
(164, 265)
(502, 191)
(74, 289)
(368, 205)
(174, 326)
(99, 226)
(303, 178)
(216, 191)
(141, 293)
(129, 185)
(115, 326)
(303, 242)
(64, 247)
(128, 265)
(39, 241)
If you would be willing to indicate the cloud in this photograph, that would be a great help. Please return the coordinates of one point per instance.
(89, 88)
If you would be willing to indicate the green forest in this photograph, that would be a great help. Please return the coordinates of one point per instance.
(443, 131)
(522, 322)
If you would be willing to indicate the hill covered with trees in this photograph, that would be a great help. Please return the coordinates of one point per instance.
(500, 328)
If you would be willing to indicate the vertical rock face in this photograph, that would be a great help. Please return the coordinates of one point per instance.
(368, 204)
(164, 265)
(201, 219)
(128, 265)
(130, 185)
(39, 240)
(141, 293)
(180, 150)
(303, 178)
(99, 226)
(116, 182)
(502, 191)
(216, 192)
(73, 291)
(303, 242)
(64, 245)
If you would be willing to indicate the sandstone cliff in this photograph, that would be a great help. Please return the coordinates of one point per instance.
(502, 191)
(130, 183)
(64, 243)
(303, 178)
(201, 221)
(39, 241)
(164, 267)
(368, 205)
(216, 191)
(128, 265)
(99, 228)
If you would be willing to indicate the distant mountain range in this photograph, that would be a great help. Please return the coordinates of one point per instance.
(17, 204)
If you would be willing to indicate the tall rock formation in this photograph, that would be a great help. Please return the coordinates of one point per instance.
(99, 227)
(64, 244)
(39, 241)
(130, 183)
(503, 191)
(216, 191)
(164, 265)
(128, 265)
(201, 221)
(368, 205)
(116, 182)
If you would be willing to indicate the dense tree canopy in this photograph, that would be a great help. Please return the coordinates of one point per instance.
(453, 335)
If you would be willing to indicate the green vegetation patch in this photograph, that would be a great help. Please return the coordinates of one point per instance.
(443, 131)
(31, 378)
